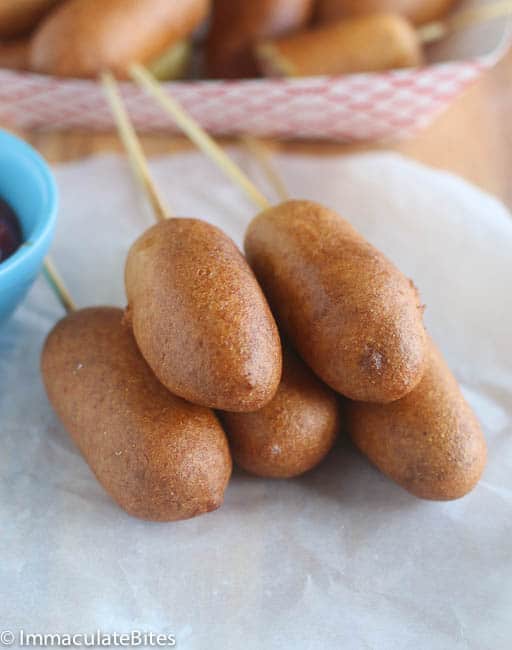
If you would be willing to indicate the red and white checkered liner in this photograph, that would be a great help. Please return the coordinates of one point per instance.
(349, 108)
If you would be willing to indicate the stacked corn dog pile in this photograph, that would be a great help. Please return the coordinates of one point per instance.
(262, 358)
(81, 38)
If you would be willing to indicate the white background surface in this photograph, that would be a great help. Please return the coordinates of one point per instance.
(341, 558)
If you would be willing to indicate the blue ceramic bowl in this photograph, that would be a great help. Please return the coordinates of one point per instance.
(28, 186)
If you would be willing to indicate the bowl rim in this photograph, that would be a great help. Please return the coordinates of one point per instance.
(45, 222)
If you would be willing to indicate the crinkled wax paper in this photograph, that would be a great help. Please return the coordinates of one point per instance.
(340, 558)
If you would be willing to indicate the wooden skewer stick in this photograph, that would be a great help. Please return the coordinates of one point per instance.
(463, 19)
(140, 167)
(262, 154)
(132, 145)
(57, 285)
(194, 131)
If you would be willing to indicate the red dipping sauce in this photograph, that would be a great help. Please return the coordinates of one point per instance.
(10, 231)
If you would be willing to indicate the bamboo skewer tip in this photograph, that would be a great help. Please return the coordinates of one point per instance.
(57, 285)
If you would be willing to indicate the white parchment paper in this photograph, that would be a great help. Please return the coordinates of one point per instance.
(341, 558)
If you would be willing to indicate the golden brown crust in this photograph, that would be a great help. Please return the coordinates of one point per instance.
(417, 11)
(200, 318)
(14, 54)
(293, 433)
(429, 442)
(237, 26)
(353, 317)
(19, 17)
(159, 457)
(370, 43)
(85, 37)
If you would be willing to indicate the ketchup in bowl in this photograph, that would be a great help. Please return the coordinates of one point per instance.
(10, 231)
